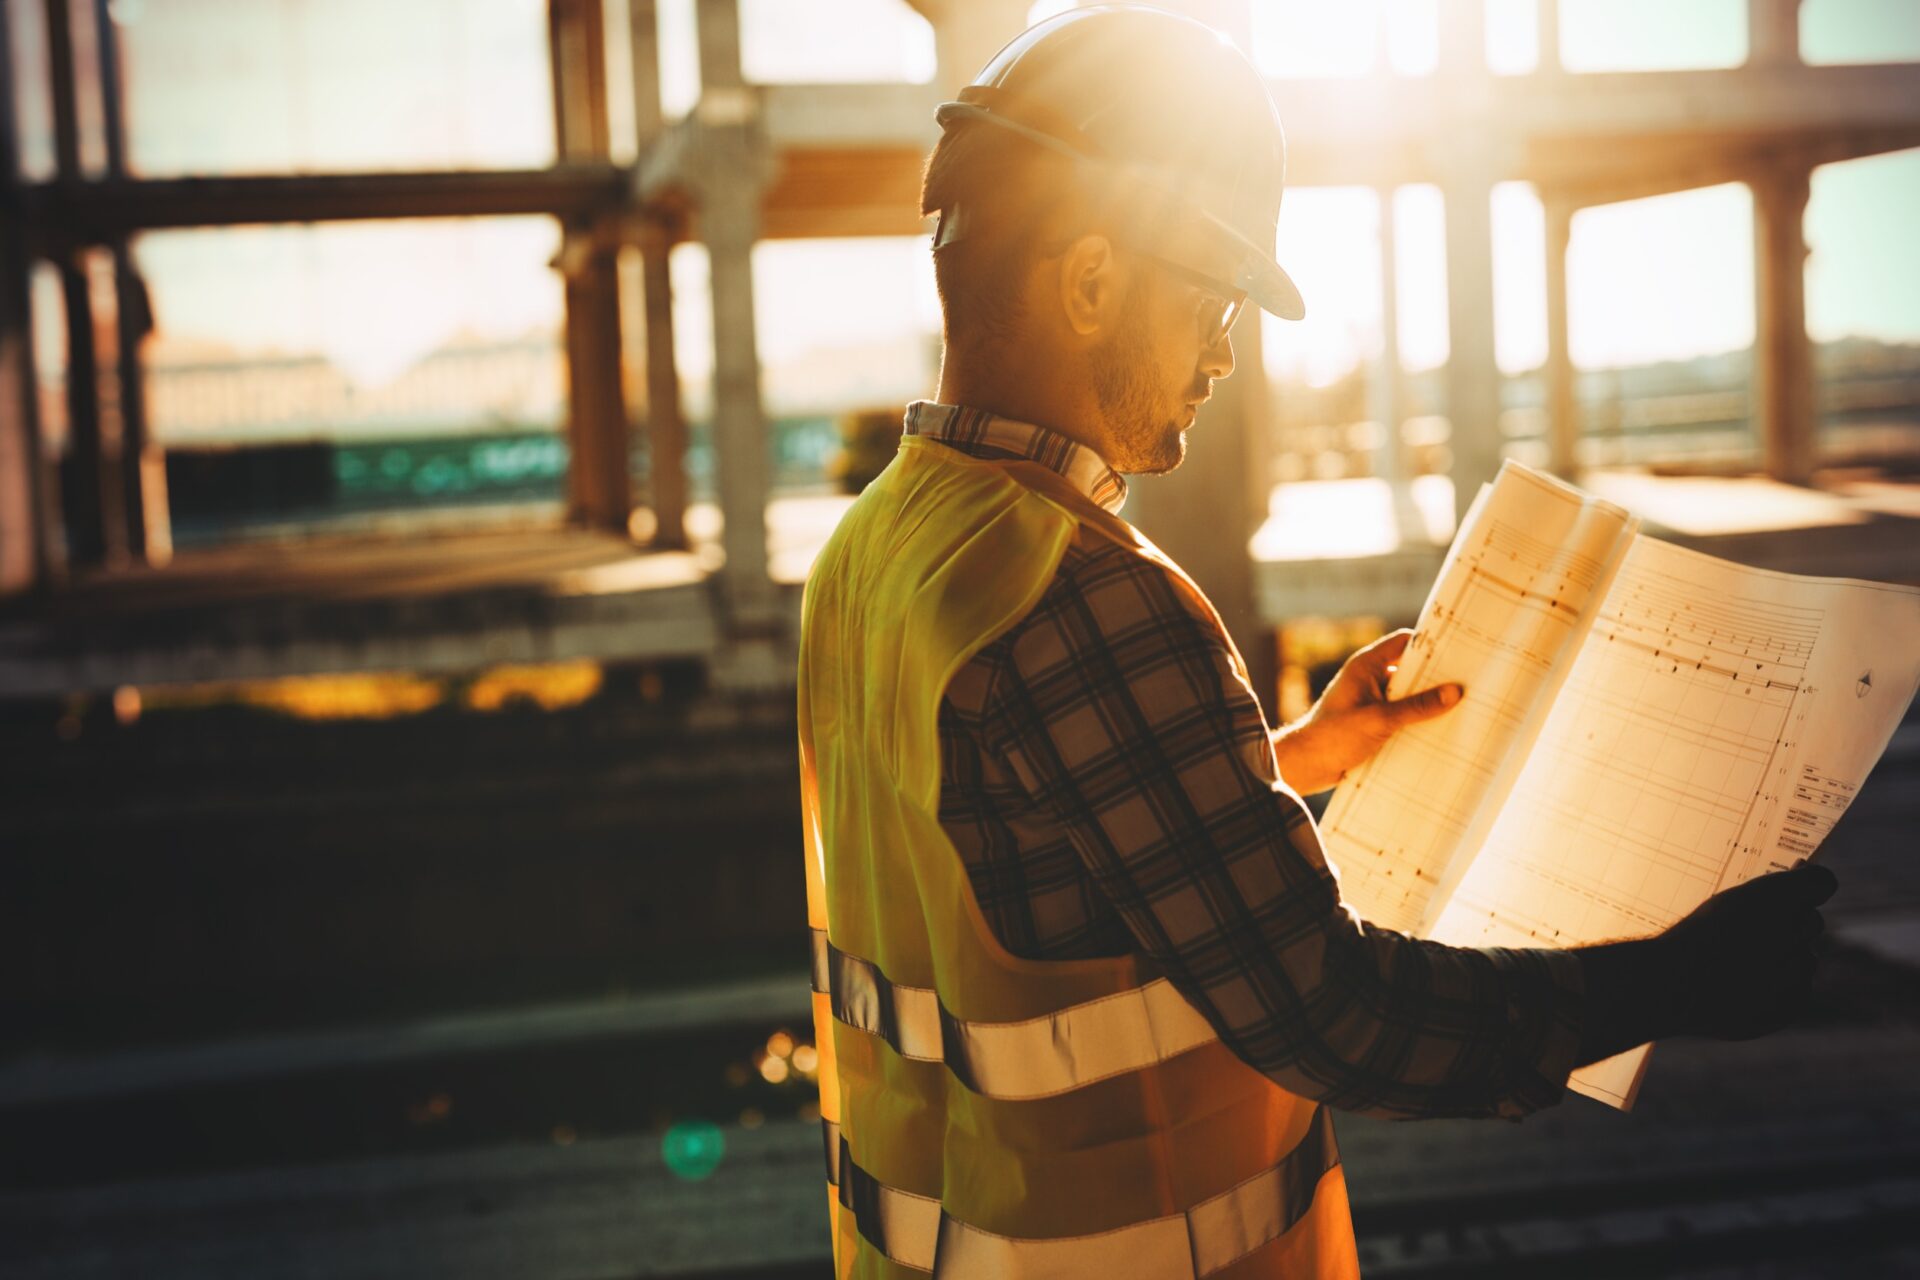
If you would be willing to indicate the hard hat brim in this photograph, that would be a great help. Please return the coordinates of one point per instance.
(1254, 269)
(1266, 281)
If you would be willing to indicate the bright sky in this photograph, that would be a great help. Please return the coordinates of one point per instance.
(219, 86)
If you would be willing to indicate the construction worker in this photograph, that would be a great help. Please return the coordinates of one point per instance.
(1084, 986)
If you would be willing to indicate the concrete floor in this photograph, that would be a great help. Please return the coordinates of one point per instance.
(1793, 1156)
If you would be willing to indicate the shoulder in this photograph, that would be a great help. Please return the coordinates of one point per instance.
(1112, 603)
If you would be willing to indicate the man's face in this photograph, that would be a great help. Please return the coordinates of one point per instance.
(1151, 376)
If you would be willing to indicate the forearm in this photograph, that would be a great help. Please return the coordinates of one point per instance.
(1375, 1022)
(1301, 766)
(1631, 997)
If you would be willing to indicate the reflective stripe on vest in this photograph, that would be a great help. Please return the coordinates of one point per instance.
(1033, 1058)
(1213, 1235)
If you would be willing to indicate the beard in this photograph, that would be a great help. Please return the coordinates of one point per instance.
(1144, 441)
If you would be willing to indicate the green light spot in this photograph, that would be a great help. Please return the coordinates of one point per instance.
(693, 1149)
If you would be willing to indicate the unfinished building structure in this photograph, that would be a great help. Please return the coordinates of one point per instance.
(84, 558)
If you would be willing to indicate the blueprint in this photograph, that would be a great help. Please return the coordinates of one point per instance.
(1694, 723)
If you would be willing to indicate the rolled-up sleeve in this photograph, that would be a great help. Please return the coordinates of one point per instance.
(1122, 713)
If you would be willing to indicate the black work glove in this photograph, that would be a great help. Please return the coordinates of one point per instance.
(1742, 963)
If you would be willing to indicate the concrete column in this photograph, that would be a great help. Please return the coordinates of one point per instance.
(1387, 391)
(598, 487)
(1473, 379)
(666, 422)
(1783, 407)
(732, 178)
(29, 510)
(91, 495)
(1204, 515)
(1468, 170)
(1547, 25)
(143, 472)
(26, 511)
(1563, 408)
(1773, 33)
(967, 33)
(643, 37)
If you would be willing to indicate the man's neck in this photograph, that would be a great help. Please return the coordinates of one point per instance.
(1041, 399)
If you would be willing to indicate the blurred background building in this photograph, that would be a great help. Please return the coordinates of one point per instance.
(416, 422)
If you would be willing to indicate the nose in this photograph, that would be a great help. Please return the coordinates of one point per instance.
(1217, 360)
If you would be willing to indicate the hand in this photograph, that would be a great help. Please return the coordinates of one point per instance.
(1354, 718)
(1742, 963)
(1740, 966)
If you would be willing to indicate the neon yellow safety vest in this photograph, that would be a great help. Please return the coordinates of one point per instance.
(986, 1115)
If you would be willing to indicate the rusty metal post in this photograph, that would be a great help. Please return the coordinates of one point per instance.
(598, 483)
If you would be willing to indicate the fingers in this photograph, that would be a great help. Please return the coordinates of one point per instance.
(1389, 647)
(1424, 705)
(1808, 884)
(1804, 886)
(1820, 882)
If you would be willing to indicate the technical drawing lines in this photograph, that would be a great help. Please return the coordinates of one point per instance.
(1541, 558)
(1506, 619)
(1761, 633)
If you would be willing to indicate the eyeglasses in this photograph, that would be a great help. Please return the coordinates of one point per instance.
(1220, 310)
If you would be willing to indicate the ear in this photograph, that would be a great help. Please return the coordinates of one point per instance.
(1089, 284)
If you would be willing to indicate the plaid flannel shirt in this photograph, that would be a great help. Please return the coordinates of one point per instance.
(1110, 783)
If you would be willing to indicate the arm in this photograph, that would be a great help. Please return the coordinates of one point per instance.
(1121, 715)
(1738, 967)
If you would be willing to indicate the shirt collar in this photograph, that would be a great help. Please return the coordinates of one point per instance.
(977, 431)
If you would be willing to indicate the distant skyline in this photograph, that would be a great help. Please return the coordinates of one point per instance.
(224, 86)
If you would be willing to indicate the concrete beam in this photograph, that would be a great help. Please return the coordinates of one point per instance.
(847, 157)
(96, 211)
(1624, 170)
(848, 116)
(1751, 100)
(1374, 131)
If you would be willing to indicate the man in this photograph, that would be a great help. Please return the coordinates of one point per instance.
(1085, 988)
